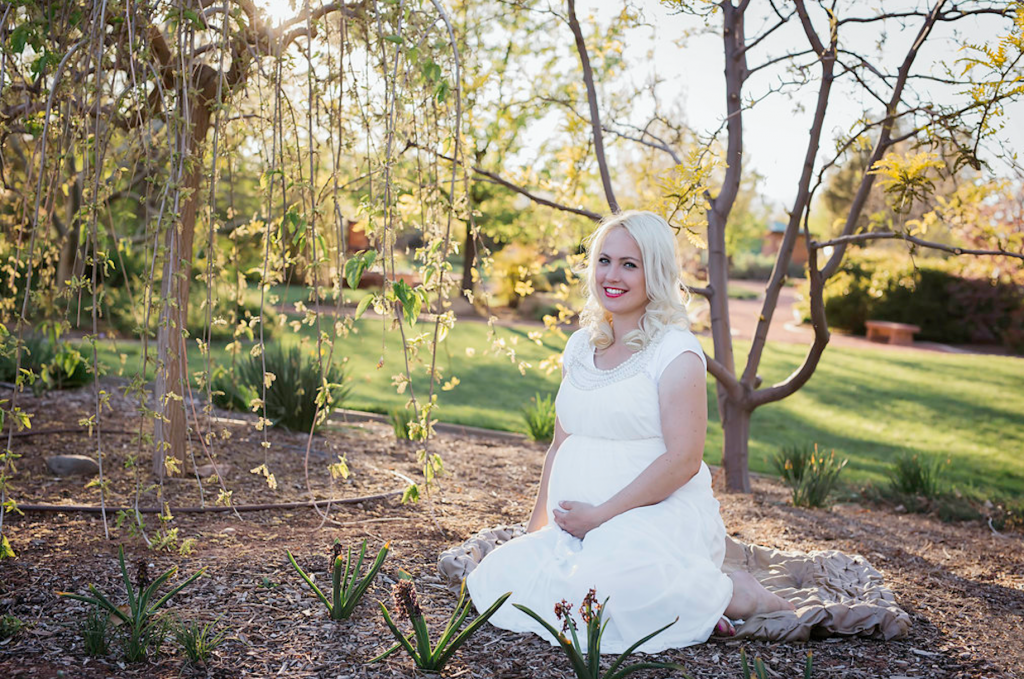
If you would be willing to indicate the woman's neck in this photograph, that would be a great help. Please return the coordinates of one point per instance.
(622, 325)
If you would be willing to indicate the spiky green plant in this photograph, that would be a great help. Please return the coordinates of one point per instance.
(811, 475)
(141, 614)
(914, 474)
(198, 641)
(429, 657)
(761, 672)
(400, 419)
(296, 390)
(94, 632)
(540, 418)
(346, 590)
(588, 666)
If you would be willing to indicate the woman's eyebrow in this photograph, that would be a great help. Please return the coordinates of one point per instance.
(630, 258)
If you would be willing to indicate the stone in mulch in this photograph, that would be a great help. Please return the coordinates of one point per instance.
(72, 465)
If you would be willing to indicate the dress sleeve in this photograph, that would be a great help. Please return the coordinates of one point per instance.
(573, 348)
(676, 342)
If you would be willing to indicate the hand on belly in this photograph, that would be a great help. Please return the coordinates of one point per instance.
(577, 518)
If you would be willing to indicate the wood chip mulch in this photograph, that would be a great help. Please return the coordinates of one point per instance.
(962, 584)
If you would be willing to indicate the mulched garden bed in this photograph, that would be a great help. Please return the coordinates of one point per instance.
(962, 584)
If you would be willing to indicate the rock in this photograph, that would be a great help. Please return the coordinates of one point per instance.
(72, 465)
(207, 470)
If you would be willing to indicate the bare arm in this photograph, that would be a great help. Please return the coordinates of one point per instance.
(683, 402)
(539, 516)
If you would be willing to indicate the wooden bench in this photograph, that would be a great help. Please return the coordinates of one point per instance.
(893, 333)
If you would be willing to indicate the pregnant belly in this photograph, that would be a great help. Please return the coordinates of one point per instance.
(592, 470)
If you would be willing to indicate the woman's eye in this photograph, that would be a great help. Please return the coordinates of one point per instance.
(631, 265)
(602, 260)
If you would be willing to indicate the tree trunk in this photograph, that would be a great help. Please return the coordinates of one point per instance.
(736, 430)
(171, 365)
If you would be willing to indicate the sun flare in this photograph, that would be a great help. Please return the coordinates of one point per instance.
(278, 11)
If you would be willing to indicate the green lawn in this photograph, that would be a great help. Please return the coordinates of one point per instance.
(867, 404)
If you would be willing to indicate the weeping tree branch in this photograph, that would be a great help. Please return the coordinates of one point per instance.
(497, 179)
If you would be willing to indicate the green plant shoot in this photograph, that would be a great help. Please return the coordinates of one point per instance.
(346, 590)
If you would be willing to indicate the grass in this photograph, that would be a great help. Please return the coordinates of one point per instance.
(870, 405)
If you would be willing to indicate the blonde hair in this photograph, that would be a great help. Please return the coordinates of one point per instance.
(665, 306)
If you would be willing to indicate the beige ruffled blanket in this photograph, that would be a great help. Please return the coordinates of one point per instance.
(834, 593)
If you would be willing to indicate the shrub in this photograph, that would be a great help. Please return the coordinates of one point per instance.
(914, 474)
(57, 365)
(540, 418)
(757, 267)
(926, 292)
(810, 475)
(293, 392)
(233, 315)
(517, 273)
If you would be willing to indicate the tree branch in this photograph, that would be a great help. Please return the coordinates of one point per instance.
(595, 116)
(896, 235)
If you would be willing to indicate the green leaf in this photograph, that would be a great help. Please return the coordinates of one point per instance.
(397, 39)
(410, 300)
(19, 38)
(5, 548)
(357, 265)
(363, 304)
(411, 494)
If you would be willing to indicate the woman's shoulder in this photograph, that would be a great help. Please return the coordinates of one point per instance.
(578, 340)
(676, 341)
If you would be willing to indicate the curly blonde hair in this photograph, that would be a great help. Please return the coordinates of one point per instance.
(666, 306)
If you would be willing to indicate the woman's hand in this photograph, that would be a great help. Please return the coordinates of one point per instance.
(577, 518)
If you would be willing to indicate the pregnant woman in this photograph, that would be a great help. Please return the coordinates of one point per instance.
(625, 503)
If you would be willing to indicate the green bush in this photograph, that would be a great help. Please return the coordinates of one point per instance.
(232, 315)
(810, 475)
(57, 366)
(754, 266)
(926, 292)
(291, 397)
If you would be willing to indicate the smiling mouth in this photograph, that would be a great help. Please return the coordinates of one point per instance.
(614, 292)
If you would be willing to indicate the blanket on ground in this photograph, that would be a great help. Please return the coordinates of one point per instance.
(834, 593)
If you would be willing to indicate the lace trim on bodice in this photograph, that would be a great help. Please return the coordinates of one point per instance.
(581, 371)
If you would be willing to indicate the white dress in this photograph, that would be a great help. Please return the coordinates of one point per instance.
(653, 563)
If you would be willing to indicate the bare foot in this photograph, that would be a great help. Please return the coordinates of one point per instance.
(750, 598)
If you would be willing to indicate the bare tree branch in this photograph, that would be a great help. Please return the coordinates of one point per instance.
(595, 116)
(896, 235)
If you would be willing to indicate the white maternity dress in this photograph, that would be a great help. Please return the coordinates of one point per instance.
(652, 563)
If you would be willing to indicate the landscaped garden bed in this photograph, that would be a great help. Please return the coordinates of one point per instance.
(962, 583)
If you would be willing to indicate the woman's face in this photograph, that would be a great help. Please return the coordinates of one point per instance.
(619, 274)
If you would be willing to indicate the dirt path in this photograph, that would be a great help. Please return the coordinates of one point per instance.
(962, 584)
